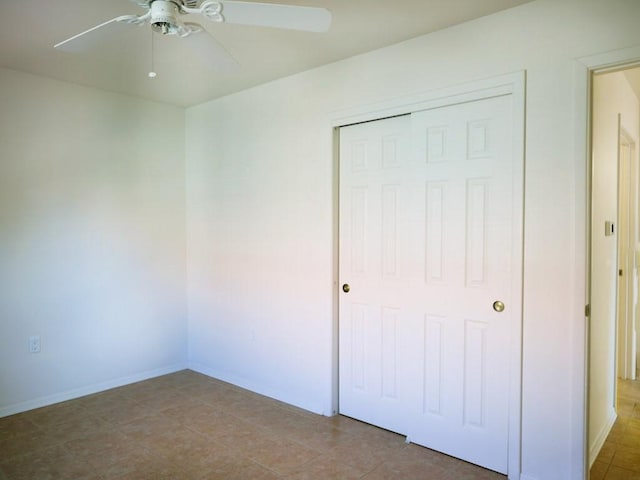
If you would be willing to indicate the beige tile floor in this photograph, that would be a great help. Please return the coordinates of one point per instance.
(619, 458)
(187, 426)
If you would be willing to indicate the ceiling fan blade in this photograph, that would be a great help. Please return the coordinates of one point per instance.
(293, 17)
(88, 39)
(208, 49)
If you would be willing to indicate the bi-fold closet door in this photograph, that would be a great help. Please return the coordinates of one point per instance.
(426, 309)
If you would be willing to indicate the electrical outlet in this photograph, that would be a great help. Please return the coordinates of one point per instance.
(34, 344)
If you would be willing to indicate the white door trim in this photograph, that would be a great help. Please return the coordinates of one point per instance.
(510, 84)
(513, 83)
(581, 189)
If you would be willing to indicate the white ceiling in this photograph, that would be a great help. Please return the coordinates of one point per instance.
(30, 28)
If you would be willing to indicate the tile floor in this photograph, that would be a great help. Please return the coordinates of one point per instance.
(188, 426)
(619, 458)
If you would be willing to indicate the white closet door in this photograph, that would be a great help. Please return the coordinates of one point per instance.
(464, 234)
(427, 230)
(374, 159)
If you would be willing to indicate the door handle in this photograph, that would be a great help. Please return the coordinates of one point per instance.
(346, 288)
(498, 306)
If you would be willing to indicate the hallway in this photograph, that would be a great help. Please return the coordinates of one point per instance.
(619, 458)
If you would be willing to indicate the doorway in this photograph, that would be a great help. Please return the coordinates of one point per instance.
(613, 238)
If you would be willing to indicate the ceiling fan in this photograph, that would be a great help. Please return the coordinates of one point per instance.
(165, 17)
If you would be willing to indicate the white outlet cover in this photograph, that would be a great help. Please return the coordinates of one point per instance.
(34, 344)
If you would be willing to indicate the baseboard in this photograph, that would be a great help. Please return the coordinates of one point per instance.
(594, 450)
(88, 390)
(259, 389)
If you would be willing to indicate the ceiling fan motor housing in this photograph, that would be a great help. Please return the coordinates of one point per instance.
(164, 16)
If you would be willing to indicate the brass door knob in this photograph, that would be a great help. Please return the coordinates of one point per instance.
(498, 306)
(346, 288)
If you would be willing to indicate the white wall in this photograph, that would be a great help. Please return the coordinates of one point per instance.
(260, 196)
(612, 96)
(92, 240)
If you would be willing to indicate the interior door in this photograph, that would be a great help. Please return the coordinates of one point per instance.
(427, 230)
(626, 293)
(465, 235)
(374, 161)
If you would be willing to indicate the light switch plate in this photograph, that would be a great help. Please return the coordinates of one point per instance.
(609, 228)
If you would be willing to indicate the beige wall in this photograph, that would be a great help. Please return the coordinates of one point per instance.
(92, 240)
(260, 196)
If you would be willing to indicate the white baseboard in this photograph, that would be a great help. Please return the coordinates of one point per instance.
(594, 450)
(259, 389)
(88, 390)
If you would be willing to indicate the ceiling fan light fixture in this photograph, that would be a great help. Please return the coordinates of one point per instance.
(164, 17)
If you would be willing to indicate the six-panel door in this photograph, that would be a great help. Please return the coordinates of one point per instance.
(426, 234)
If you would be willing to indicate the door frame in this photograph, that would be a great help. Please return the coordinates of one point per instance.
(513, 84)
(583, 69)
